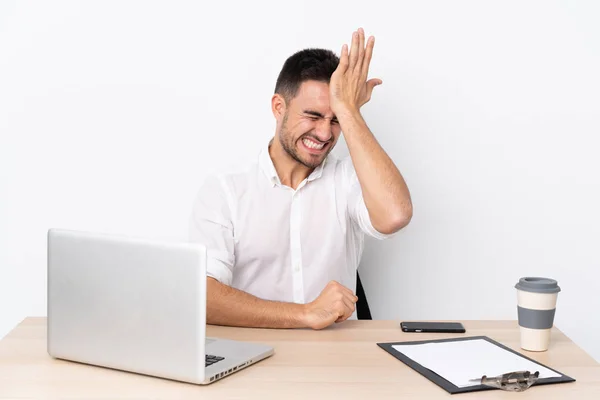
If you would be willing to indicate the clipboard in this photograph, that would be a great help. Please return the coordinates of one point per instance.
(449, 386)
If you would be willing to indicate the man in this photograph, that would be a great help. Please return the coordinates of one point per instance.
(285, 236)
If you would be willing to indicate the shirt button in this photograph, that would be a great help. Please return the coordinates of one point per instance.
(297, 268)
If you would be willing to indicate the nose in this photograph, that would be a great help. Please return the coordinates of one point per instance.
(323, 130)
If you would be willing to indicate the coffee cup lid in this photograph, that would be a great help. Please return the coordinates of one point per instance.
(538, 285)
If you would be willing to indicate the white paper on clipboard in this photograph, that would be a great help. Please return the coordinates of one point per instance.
(460, 361)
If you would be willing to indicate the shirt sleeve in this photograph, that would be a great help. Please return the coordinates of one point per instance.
(357, 209)
(211, 225)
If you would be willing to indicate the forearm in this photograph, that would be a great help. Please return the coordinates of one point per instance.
(384, 190)
(232, 307)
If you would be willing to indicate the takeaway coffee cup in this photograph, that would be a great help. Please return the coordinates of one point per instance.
(536, 306)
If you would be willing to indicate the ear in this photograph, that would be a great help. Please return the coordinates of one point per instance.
(278, 106)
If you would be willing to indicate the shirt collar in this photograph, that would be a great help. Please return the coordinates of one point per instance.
(268, 168)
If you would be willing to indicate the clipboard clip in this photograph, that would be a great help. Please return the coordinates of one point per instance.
(517, 381)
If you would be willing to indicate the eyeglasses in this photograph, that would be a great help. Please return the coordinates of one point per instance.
(517, 381)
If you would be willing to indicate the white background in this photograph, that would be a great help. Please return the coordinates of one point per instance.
(113, 112)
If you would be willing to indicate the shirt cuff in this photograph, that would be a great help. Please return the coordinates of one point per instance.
(366, 224)
(217, 269)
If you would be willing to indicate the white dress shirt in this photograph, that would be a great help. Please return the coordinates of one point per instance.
(281, 244)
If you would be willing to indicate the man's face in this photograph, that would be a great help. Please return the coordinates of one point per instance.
(309, 130)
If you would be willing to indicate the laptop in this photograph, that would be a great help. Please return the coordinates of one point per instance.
(136, 305)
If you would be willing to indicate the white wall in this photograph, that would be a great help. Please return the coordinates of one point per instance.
(112, 113)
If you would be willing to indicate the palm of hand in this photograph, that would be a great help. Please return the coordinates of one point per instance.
(349, 88)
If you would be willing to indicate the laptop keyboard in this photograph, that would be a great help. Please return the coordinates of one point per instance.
(210, 360)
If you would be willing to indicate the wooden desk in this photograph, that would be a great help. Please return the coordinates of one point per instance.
(342, 362)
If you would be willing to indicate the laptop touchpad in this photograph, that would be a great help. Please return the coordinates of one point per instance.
(209, 341)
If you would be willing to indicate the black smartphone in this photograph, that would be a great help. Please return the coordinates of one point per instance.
(440, 327)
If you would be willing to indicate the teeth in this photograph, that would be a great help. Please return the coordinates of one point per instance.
(310, 144)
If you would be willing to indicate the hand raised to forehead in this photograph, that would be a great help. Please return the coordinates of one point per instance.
(349, 88)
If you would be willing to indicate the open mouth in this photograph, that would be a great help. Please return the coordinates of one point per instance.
(314, 147)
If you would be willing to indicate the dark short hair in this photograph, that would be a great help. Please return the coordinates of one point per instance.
(305, 65)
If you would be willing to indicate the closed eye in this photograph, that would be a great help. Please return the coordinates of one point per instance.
(314, 118)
